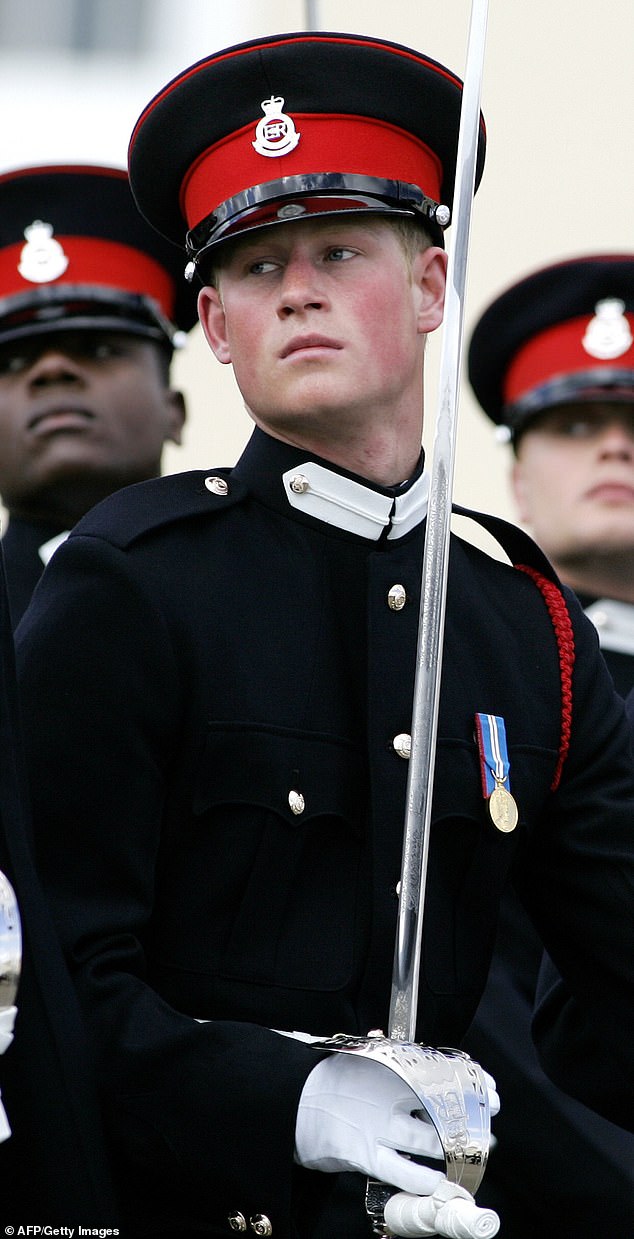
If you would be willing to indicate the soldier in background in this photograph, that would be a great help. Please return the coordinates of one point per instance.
(551, 361)
(92, 303)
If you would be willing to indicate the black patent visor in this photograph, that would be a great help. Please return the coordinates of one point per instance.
(89, 307)
(598, 383)
(314, 194)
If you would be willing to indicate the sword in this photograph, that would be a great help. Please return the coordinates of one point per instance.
(450, 1085)
(405, 976)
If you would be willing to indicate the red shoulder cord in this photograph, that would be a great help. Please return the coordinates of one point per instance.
(564, 635)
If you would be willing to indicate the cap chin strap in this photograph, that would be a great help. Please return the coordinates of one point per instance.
(308, 195)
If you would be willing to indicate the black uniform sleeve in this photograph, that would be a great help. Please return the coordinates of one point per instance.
(206, 1110)
(54, 1165)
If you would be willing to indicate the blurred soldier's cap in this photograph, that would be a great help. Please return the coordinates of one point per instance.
(297, 125)
(563, 334)
(76, 252)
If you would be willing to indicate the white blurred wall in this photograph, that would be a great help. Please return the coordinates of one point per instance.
(559, 180)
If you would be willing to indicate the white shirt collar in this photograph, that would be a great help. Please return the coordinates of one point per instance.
(48, 549)
(349, 505)
(614, 622)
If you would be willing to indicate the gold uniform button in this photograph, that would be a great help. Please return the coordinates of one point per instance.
(217, 486)
(296, 802)
(396, 598)
(402, 744)
(261, 1225)
(237, 1221)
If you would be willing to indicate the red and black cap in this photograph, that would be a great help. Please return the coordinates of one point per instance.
(297, 125)
(74, 250)
(563, 334)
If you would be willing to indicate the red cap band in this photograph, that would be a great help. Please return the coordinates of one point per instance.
(346, 144)
(557, 352)
(100, 263)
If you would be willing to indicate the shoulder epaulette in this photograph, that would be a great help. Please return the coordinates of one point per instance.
(134, 511)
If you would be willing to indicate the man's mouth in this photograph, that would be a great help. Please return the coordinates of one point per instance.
(60, 417)
(309, 343)
(612, 492)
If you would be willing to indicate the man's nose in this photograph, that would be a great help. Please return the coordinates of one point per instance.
(617, 439)
(301, 288)
(53, 365)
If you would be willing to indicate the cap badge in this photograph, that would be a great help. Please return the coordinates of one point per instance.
(608, 334)
(42, 258)
(275, 133)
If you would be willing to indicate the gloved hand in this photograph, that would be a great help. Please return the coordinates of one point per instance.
(7, 1020)
(356, 1114)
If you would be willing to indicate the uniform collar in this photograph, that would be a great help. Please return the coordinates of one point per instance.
(614, 622)
(291, 480)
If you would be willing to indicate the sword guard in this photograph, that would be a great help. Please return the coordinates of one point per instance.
(451, 1088)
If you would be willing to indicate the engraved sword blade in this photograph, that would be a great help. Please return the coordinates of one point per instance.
(405, 975)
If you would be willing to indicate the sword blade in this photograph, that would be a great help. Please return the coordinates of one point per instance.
(405, 975)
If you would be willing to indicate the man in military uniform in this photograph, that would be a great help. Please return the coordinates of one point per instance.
(551, 361)
(92, 303)
(219, 813)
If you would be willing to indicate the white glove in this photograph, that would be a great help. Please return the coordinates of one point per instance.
(356, 1114)
(7, 1020)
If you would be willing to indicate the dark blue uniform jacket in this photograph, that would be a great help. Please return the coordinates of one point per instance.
(189, 660)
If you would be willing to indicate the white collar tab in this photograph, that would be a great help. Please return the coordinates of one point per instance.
(48, 549)
(349, 505)
(614, 622)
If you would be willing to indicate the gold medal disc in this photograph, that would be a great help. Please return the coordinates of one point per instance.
(503, 810)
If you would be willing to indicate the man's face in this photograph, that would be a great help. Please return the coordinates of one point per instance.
(574, 479)
(323, 322)
(80, 406)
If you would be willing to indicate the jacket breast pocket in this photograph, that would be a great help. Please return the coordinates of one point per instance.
(271, 859)
(471, 861)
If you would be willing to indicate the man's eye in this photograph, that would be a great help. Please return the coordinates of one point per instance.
(339, 253)
(579, 429)
(13, 364)
(262, 266)
(103, 350)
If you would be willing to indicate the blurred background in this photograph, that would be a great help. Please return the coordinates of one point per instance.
(559, 179)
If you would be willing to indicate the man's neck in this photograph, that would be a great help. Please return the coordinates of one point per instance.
(383, 459)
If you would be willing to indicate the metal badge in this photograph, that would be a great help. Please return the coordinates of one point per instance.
(494, 770)
(275, 133)
(42, 258)
(503, 809)
(608, 334)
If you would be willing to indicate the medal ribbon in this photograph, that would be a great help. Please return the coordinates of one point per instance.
(494, 757)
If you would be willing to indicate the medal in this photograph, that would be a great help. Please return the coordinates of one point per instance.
(503, 809)
(494, 768)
